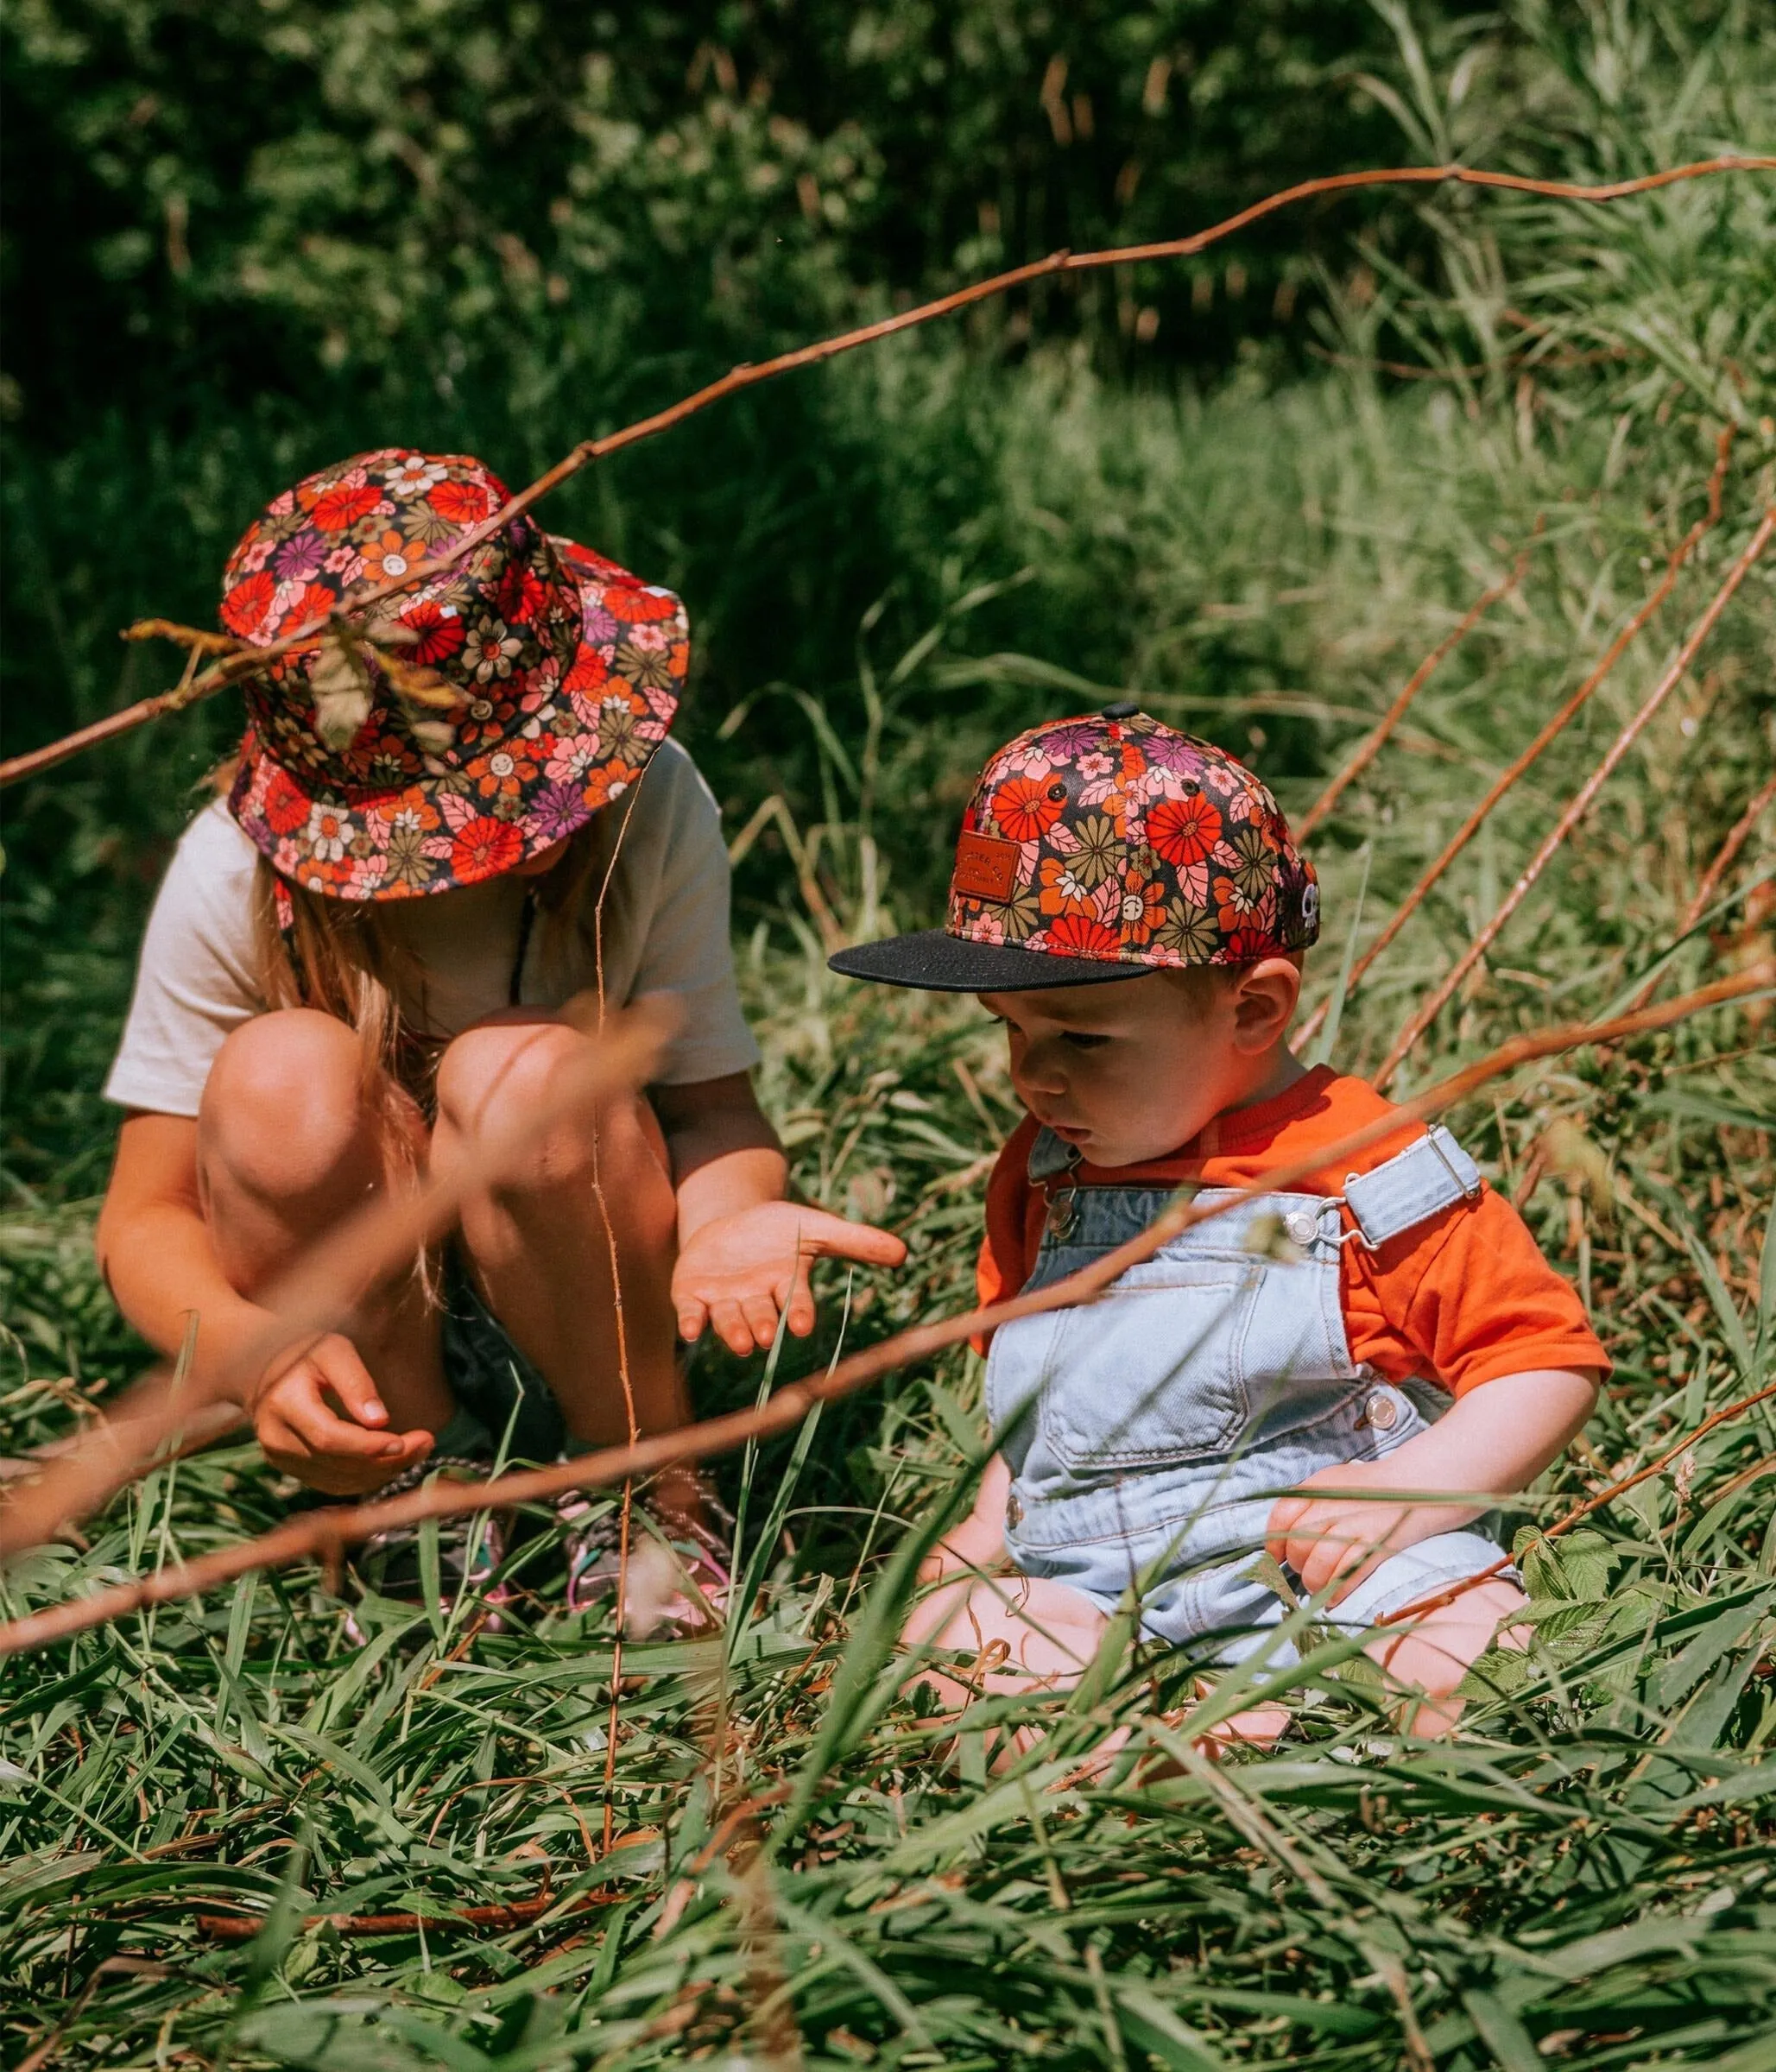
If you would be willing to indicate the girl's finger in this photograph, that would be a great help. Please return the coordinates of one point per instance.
(693, 1317)
(338, 1362)
(825, 1236)
(799, 1305)
(324, 1431)
(730, 1326)
(761, 1314)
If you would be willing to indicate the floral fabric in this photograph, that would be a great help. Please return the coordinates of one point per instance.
(528, 686)
(1133, 845)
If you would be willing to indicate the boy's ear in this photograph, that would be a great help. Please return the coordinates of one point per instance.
(1266, 995)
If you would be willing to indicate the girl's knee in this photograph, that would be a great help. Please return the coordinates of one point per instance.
(283, 1109)
(503, 1070)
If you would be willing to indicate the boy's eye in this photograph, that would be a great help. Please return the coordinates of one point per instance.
(1079, 1040)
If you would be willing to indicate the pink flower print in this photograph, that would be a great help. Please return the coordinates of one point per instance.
(1095, 766)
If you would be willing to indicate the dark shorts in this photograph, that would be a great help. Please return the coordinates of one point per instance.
(501, 1399)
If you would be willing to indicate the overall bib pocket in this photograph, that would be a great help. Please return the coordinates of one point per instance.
(1161, 1349)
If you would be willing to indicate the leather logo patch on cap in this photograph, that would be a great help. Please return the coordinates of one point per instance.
(986, 868)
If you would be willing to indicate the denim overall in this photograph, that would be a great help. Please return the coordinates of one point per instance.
(1149, 1432)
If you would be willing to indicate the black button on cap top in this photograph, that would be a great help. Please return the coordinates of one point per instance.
(1124, 708)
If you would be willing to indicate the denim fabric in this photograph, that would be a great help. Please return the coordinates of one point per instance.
(1149, 1432)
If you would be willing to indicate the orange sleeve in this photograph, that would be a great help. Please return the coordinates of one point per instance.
(1005, 1260)
(1471, 1296)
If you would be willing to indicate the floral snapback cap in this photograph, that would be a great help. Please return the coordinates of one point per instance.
(1100, 848)
(457, 728)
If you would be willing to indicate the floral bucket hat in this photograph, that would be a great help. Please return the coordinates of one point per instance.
(1103, 847)
(457, 729)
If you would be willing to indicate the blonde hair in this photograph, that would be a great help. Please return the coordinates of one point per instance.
(340, 957)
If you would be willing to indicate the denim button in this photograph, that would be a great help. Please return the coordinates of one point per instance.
(1380, 1412)
(1013, 1513)
(1301, 1225)
(1063, 1212)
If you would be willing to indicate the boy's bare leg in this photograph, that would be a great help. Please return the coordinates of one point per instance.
(1428, 1658)
(541, 1243)
(287, 1149)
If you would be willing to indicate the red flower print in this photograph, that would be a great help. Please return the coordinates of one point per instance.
(1025, 808)
(1079, 935)
(285, 807)
(483, 849)
(460, 502)
(1183, 830)
(591, 670)
(244, 608)
(441, 634)
(521, 594)
(639, 607)
(316, 602)
(344, 506)
(1245, 945)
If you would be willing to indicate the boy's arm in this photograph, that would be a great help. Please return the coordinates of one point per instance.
(1496, 1438)
(743, 1250)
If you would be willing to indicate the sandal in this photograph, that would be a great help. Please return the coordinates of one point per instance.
(679, 1576)
(471, 1548)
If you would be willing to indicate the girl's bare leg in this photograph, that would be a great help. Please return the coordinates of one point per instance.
(286, 1150)
(541, 1243)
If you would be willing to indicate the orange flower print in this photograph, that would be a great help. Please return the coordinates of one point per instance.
(1183, 830)
(1079, 935)
(483, 849)
(1142, 910)
(286, 807)
(1060, 891)
(1025, 808)
(387, 558)
(337, 508)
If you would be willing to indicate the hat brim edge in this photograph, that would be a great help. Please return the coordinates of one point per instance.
(931, 960)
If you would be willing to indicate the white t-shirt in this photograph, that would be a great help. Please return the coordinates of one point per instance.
(665, 930)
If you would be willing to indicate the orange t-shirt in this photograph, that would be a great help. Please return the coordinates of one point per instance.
(1460, 1299)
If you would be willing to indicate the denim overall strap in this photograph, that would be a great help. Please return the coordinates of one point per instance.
(1423, 1180)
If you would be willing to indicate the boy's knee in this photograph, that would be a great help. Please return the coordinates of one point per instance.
(283, 1109)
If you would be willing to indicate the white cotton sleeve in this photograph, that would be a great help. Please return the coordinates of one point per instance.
(679, 915)
(196, 979)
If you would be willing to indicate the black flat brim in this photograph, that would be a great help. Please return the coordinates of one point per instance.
(934, 961)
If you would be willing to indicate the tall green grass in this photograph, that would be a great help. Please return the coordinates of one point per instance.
(924, 553)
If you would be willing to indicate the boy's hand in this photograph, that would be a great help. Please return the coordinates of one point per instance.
(738, 1272)
(1330, 1534)
(322, 1421)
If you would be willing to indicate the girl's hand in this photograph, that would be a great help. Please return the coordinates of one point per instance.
(322, 1421)
(1333, 1535)
(739, 1272)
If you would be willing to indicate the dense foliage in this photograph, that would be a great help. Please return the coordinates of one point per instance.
(891, 565)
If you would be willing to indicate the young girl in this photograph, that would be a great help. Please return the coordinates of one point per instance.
(1128, 902)
(435, 835)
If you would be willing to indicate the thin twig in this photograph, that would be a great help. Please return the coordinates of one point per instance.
(1504, 781)
(1378, 736)
(302, 1537)
(249, 661)
(1737, 835)
(1578, 806)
